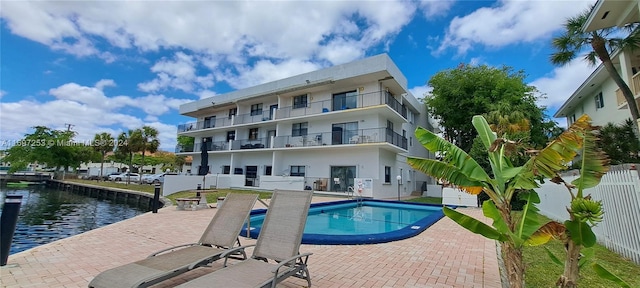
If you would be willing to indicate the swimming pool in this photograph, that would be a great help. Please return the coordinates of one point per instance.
(365, 222)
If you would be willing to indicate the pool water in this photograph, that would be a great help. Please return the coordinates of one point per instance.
(364, 222)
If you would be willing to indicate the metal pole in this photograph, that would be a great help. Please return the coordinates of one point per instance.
(156, 198)
(8, 221)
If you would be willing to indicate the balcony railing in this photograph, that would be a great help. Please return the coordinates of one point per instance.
(376, 135)
(312, 108)
(351, 102)
(192, 126)
(635, 89)
(363, 136)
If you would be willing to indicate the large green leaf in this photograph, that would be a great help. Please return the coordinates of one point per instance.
(553, 257)
(453, 155)
(529, 222)
(605, 274)
(490, 210)
(484, 131)
(554, 158)
(441, 170)
(581, 233)
(473, 224)
(594, 163)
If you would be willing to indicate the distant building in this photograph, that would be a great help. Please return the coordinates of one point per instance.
(598, 96)
(334, 127)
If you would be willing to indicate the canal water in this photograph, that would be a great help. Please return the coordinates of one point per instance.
(48, 214)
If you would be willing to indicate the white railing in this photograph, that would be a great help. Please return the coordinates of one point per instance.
(619, 192)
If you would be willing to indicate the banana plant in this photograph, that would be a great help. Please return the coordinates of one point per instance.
(458, 168)
(584, 212)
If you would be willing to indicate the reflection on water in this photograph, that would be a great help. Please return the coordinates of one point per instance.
(47, 215)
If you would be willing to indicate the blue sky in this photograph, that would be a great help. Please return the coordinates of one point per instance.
(110, 66)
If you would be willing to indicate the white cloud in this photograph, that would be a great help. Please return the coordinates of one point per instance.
(177, 73)
(105, 83)
(420, 92)
(560, 84)
(264, 71)
(2, 93)
(434, 8)
(509, 22)
(209, 27)
(91, 111)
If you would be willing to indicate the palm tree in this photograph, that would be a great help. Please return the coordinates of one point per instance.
(149, 140)
(600, 42)
(103, 143)
(128, 143)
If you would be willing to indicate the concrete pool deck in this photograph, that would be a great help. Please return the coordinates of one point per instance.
(445, 255)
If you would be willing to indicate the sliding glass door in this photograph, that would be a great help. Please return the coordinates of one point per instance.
(343, 133)
(342, 178)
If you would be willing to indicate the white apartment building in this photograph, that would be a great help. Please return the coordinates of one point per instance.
(340, 128)
(599, 96)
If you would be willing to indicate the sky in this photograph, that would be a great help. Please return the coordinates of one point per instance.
(111, 66)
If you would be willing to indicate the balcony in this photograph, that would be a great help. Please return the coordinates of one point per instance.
(312, 108)
(321, 139)
(350, 102)
(363, 136)
(635, 88)
(207, 124)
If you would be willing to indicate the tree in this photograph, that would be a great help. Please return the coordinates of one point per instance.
(460, 169)
(148, 141)
(459, 94)
(185, 144)
(54, 148)
(600, 44)
(620, 142)
(128, 144)
(103, 143)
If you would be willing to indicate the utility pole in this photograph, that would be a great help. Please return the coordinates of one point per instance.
(69, 126)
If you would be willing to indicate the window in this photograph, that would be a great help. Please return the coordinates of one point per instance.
(389, 125)
(256, 109)
(233, 112)
(297, 171)
(572, 118)
(345, 100)
(253, 134)
(231, 135)
(599, 101)
(387, 174)
(226, 169)
(299, 129)
(209, 122)
(300, 101)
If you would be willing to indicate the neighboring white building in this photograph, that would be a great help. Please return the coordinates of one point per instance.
(328, 128)
(599, 96)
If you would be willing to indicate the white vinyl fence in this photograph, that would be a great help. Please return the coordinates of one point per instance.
(619, 192)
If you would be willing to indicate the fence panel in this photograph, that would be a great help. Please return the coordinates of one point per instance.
(619, 192)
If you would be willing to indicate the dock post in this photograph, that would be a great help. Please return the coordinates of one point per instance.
(8, 221)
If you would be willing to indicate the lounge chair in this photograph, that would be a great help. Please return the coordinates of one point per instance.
(276, 253)
(220, 236)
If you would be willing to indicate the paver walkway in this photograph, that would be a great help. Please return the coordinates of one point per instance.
(445, 255)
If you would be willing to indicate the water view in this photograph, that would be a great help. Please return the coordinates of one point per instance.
(47, 215)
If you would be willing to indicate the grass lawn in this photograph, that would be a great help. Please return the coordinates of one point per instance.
(542, 272)
(427, 200)
(212, 197)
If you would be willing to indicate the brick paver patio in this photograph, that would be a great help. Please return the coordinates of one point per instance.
(445, 255)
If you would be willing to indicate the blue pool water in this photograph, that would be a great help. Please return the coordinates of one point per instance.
(366, 222)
